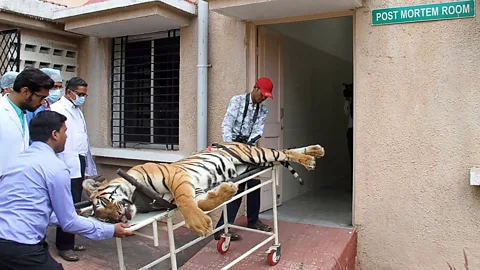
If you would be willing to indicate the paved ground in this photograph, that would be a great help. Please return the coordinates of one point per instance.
(138, 251)
(304, 247)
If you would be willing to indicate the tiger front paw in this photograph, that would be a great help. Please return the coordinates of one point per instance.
(198, 222)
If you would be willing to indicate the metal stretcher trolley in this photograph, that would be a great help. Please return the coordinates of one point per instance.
(144, 219)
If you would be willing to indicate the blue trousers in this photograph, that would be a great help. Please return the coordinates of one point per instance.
(253, 204)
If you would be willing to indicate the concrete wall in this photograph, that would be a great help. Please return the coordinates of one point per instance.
(227, 76)
(314, 114)
(417, 132)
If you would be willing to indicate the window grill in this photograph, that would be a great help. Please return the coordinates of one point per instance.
(9, 50)
(145, 91)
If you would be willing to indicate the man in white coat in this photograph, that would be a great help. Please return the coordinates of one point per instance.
(30, 88)
(77, 155)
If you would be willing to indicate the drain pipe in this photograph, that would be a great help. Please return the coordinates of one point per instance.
(202, 75)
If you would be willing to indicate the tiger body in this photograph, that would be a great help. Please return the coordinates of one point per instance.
(187, 181)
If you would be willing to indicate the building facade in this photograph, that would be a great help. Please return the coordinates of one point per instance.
(415, 118)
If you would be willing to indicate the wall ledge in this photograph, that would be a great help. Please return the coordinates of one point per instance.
(138, 154)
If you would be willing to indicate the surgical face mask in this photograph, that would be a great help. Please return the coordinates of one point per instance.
(78, 100)
(54, 96)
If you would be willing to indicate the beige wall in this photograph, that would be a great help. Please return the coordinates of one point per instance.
(226, 77)
(417, 132)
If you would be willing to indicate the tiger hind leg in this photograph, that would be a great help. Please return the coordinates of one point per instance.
(215, 198)
(313, 150)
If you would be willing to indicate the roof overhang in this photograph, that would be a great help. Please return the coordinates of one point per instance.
(259, 10)
(114, 18)
(31, 8)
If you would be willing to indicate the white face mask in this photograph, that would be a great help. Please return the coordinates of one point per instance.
(78, 100)
(54, 96)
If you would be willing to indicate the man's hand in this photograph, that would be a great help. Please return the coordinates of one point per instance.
(120, 231)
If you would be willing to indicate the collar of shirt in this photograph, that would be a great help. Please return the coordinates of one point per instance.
(42, 146)
(68, 104)
(19, 111)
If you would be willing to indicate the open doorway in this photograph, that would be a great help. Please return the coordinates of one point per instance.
(316, 63)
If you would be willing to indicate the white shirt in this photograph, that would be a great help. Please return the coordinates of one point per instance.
(77, 141)
(13, 139)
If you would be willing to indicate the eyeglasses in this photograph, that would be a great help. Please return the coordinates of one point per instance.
(79, 94)
(39, 96)
(56, 87)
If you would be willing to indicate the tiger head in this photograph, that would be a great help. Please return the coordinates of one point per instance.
(111, 200)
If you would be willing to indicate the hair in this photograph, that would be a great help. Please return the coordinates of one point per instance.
(75, 82)
(44, 123)
(34, 79)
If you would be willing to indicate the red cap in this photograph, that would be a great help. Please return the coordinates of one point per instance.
(266, 86)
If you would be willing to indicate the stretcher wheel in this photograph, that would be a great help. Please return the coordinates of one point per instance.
(223, 245)
(273, 257)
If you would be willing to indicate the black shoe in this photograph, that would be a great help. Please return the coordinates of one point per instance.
(233, 236)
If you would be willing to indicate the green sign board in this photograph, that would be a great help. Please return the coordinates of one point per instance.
(429, 12)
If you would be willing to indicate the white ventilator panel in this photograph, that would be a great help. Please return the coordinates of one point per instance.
(44, 53)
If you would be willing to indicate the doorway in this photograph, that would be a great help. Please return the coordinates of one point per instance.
(314, 62)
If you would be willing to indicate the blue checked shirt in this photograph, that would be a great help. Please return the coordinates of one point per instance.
(232, 122)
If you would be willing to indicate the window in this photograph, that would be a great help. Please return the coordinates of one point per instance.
(145, 91)
(9, 50)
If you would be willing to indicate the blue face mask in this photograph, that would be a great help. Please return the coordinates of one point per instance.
(78, 100)
(53, 96)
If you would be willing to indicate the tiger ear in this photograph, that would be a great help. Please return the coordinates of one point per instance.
(90, 186)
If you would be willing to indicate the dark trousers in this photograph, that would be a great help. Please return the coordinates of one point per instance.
(64, 240)
(253, 204)
(16, 256)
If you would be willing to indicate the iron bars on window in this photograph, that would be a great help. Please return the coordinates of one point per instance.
(145, 91)
(9, 50)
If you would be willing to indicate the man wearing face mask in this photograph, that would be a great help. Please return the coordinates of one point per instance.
(54, 93)
(30, 88)
(77, 155)
(6, 83)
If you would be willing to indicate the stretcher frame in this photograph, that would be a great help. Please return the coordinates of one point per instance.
(144, 219)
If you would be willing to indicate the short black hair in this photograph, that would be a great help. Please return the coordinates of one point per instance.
(44, 123)
(75, 82)
(34, 79)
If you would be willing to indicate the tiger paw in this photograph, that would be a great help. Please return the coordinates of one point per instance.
(227, 190)
(198, 222)
(315, 150)
(308, 162)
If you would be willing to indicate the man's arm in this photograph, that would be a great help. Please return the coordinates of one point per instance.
(229, 120)
(259, 124)
(69, 221)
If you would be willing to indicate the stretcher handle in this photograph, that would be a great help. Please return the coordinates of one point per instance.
(83, 204)
(158, 202)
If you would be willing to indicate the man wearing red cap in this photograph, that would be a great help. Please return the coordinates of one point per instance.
(244, 122)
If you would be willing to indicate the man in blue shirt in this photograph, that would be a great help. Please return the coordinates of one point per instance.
(35, 193)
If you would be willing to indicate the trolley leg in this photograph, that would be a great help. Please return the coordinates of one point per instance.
(171, 241)
(121, 262)
(225, 219)
(274, 204)
(155, 233)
